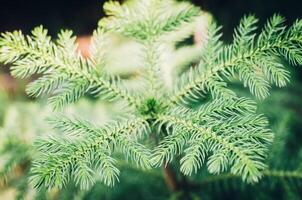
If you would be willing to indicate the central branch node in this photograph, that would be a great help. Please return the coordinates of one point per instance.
(151, 107)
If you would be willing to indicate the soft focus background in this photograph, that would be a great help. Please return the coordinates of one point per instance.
(82, 16)
(18, 125)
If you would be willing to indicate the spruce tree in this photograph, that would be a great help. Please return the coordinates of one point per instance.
(199, 121)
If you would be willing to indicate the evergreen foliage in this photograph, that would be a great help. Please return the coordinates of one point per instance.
(201, 119)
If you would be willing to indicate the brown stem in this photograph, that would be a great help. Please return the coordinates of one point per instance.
(170, 178)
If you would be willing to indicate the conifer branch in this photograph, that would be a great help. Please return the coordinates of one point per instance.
(64, 158)
(224, 131)
(243, 162)
(244, 53)
(59, 63)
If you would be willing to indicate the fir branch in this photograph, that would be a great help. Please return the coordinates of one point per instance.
(148, 20)
(182, 14)
(37, 54)
(148, 27)
(99, 42)
(63, 159)
(153, 76)
(225, 132)
(170, 146)
(244, 162)
(273, 41)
